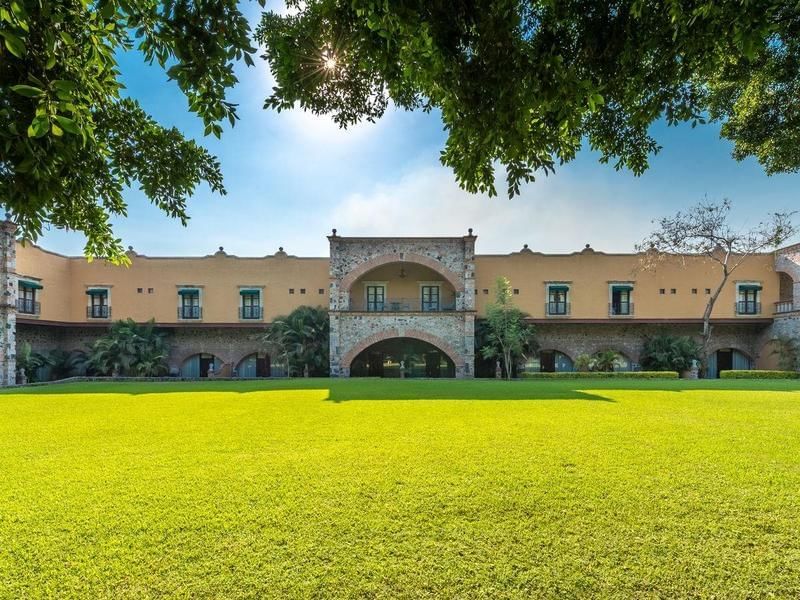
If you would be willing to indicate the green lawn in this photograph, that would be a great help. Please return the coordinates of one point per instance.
(391, 489)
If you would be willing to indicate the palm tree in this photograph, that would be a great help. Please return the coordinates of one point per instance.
(30, 362)
(130, 349)
(301, 338)
(605, 360)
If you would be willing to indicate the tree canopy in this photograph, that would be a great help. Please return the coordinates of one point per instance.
(705, 230)
(70, 143)
(525, 83)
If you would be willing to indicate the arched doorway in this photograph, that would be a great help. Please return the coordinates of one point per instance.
(727, 359)
(549, 361)
(387, 357)
(254, 365)
(198, 365)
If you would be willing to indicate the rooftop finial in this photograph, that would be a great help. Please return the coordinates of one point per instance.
(334, 232)
(525, 246)
(221, 249)
(280, 248)
(470, 230)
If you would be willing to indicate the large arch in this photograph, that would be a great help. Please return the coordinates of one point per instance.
(385, 259)
(415, 334)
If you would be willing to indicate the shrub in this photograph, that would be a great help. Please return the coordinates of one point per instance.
(755, 374)
(583, 362)
(603, 375)
(787, 349)
(669, 353)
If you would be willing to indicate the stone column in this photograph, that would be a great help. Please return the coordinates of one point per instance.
(8, 303)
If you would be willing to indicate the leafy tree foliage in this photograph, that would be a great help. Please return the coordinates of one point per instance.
(70, 144)
(787, 349)
(705, 230)
(65, 364)
(30, 363)
(302, 339)
(130, 349)
(669, 353)
(508, 337)
(524, 82)
(605, 361)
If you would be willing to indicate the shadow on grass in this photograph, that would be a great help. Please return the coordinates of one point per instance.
(345, 390)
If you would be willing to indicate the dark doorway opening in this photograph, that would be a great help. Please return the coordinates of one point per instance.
(724, 361)
(206, 361)
(414, 358)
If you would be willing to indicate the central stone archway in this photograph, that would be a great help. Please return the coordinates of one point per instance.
(389, 334)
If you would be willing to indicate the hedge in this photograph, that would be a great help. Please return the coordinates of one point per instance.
(755, 374)
(603, 375)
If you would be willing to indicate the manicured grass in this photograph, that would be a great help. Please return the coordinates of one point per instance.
(392, 489)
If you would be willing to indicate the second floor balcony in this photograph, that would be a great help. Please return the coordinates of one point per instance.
(785, 306)
(748, 307)
(254, 313)
(395, 305)
(620, 309)
(98, 312)
(28, 307)
(190, 312)
(557, 309)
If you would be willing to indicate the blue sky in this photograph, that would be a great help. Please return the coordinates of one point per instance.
(291, 177)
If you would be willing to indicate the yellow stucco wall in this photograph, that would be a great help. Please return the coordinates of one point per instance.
(590, 274)
(218, 277)
(65, 280)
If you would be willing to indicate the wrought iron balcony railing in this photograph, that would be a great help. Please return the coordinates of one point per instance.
(28, 307)
(98, 312)
(190, 312)
(393, 305)
(251, 312)
(748, 307)
(556, 309)
(620, 309)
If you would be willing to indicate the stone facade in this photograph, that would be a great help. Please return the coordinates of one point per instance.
(228, 344)
(451, 332)
(574, 339)
(8, 304)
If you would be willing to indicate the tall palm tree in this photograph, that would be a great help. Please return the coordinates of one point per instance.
(302, 339)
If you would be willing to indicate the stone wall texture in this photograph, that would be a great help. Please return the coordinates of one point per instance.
(451, 332)
(228, 344)
(628, 338)
(8, 303)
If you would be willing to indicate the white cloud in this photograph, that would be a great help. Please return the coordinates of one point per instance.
(551, 215)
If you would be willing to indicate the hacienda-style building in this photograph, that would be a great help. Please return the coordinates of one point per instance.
(409, 299)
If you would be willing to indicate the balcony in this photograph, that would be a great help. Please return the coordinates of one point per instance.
(251, 313)
(190, 312)
(28, 307)
(785, 307)
(98, 312)
(398, 305)
(748, 307)
(556, 309)
(620, 309)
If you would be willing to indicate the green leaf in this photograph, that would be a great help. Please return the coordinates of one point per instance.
(68, 125)
(65, 85)
(27, 90)
(39, 127)
(15, 45)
